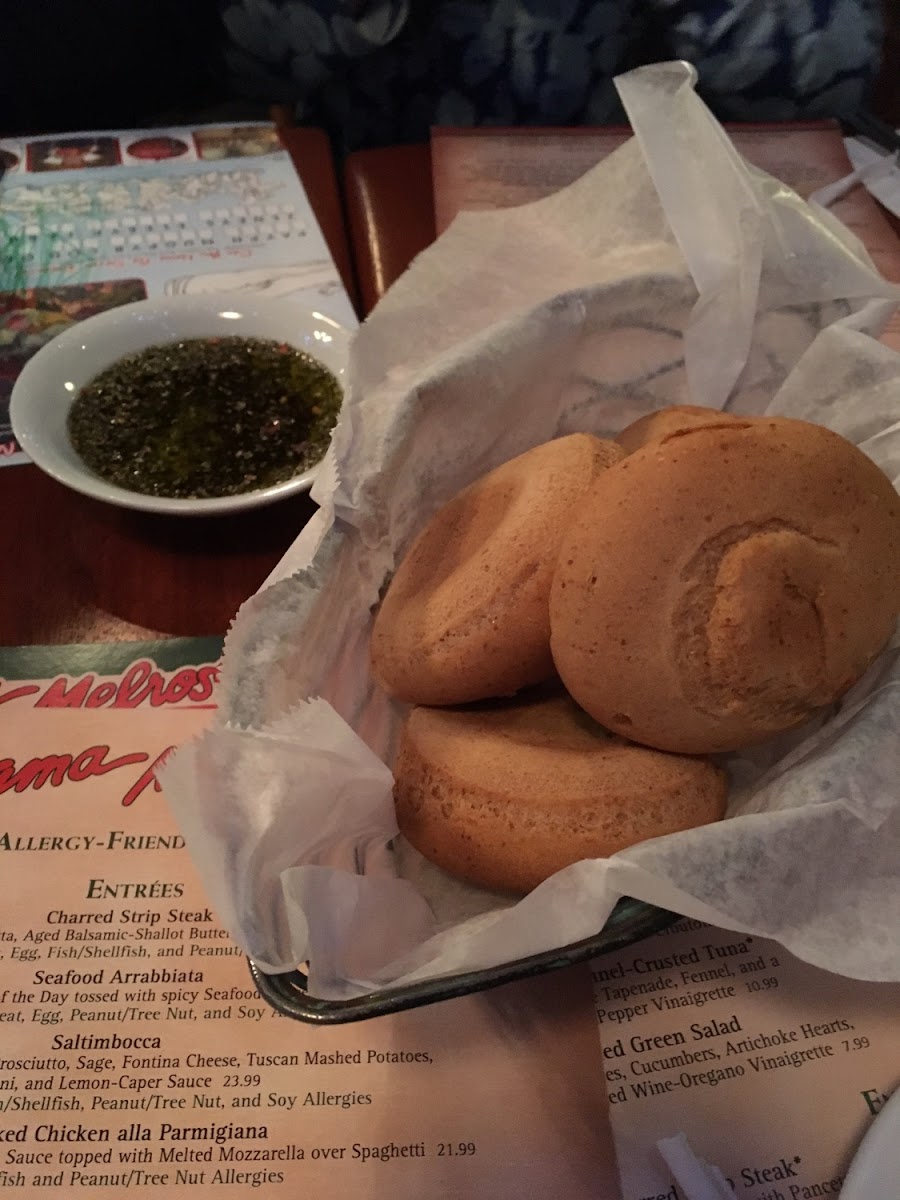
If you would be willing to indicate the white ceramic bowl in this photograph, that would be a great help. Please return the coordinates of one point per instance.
(49, 382)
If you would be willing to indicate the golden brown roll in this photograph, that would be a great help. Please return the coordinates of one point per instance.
(721, 586)
(669, 422)
(466, 615)
(506, 796)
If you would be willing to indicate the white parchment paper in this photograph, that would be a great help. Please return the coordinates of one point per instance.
(672, 272)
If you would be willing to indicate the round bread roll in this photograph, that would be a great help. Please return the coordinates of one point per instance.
(506, 796)
(466, 616)
(720, 587)
(668, 422)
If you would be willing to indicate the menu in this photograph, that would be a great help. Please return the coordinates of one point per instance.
(772, 1068)
(90, 221)
(135, 1051)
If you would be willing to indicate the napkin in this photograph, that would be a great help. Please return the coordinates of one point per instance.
(698, 1179)
(672, 272)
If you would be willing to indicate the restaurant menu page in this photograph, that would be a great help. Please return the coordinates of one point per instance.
(134, 1050)
(772, 1068)
(90, 221)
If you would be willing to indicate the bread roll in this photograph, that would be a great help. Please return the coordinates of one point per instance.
(669, 422)
(720, 587)
(506, 796)
(466, 615)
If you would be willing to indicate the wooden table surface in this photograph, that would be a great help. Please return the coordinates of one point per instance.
(76, 570)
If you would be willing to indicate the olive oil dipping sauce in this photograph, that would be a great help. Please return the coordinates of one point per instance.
(205, 417)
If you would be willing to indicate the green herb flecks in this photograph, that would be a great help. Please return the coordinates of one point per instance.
(206, 417)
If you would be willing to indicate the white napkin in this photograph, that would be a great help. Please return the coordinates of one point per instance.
(671, 272)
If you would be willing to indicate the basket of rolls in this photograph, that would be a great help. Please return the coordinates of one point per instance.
(595, 624)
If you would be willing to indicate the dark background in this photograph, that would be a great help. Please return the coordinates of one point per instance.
(101, 64)
(68, 65)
